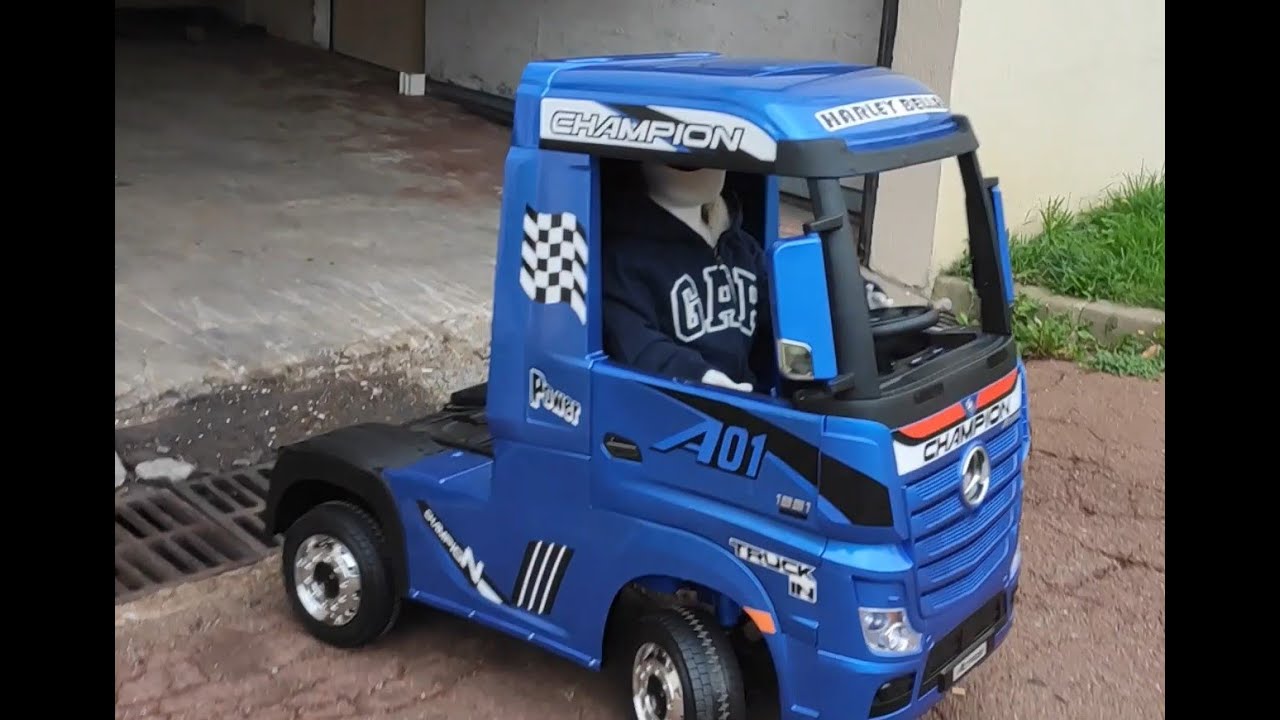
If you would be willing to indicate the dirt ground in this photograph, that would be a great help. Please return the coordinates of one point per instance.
(1088, 641)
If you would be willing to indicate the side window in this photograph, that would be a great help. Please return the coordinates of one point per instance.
(794, 208)
(690, 293)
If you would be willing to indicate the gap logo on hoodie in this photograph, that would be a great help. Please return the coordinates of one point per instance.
(676, 306)
(717, 299)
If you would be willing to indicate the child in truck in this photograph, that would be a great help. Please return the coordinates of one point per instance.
(685, 291)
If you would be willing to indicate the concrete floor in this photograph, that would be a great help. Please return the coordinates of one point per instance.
(280, 207)
(275, 204)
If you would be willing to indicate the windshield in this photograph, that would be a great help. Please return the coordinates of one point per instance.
(874, 343)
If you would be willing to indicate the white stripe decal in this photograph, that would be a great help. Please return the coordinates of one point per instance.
(524, 583)
(538, 579)
(537, 584)
(546, 593)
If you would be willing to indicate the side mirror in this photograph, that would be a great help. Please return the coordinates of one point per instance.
(1002, 237)
(801, 309)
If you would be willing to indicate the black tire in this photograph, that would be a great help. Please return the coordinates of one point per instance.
(356, 529)
(702, 655)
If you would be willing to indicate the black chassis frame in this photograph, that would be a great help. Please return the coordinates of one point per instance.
(347, 464)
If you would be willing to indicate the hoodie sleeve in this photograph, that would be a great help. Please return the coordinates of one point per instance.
(631, 331)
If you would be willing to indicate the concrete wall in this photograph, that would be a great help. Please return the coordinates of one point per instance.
(292, 20)
(484, 44)
(1066, 98)
(234, 9)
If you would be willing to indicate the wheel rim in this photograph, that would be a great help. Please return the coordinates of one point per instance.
(327, 580)
(656, 692)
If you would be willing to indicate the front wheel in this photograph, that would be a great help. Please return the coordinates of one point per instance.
(682, 667)
(336, 577)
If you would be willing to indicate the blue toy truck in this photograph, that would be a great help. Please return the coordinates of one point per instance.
(857, 515)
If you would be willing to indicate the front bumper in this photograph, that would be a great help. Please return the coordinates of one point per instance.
(827, 685)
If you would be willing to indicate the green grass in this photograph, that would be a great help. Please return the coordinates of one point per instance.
(1041, 334)
(1113, 251)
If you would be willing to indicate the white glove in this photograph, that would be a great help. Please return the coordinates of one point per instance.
(715, 377)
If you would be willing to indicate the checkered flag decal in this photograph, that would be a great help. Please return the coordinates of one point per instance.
(554, 255)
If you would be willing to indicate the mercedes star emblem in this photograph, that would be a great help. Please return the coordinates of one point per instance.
(975, 476)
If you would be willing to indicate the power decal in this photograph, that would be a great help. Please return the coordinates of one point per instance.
(942, 433)
(843, 117)
(542, 396)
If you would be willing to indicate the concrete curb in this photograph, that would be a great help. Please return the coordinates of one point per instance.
(447, 356)
(1105, 319)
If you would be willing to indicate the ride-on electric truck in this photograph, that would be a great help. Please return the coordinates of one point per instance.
(856, 514)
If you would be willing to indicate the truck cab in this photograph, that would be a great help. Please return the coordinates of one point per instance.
(857, 514)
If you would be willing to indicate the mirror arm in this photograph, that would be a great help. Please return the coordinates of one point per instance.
(822, 225)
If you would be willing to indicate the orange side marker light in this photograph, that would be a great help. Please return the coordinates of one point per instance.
(762, 619)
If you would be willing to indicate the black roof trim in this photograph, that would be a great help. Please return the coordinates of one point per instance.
(831, 157)
(825, 158)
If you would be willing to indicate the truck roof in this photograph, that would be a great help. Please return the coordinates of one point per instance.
(734, 112)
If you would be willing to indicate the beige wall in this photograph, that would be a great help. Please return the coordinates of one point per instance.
(907, 204)
(1066, 98)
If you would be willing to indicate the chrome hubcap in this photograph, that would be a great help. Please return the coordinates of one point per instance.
(327, 580)
(656, 692)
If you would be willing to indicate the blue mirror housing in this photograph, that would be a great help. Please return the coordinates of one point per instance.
(801, 309)
(1002, 238)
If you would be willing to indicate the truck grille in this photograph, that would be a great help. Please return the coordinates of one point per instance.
(956, 549)
(986, 621)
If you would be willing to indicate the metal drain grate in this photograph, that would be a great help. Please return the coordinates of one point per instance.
(162, 540)
(235, 501)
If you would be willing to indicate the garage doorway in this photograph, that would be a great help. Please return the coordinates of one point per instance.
(476, 49)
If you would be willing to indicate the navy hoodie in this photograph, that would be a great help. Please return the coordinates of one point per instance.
(676, 307)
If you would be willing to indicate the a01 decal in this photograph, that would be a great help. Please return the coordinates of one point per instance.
(730, 448)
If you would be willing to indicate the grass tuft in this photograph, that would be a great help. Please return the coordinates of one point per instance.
(1113, 251)
(1041, 334)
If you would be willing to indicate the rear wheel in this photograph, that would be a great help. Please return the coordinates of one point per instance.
(336, 575)
(682, 667)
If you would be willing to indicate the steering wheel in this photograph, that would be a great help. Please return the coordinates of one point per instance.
(896, 320)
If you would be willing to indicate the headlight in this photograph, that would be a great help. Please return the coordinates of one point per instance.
(888, 631)
(1017, 559)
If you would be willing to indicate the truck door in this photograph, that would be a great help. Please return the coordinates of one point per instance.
(707, 460)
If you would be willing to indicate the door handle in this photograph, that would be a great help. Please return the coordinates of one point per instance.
(621, 448)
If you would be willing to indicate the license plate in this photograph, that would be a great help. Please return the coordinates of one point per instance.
(968, 661)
